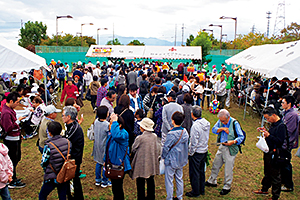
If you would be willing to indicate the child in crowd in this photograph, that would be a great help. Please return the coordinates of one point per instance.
(101, 129)
(52, 160)
(35, 118)
(139, 115)
(6, 172)
(175, 153)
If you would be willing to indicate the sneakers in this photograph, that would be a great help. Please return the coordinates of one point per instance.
(35, 133)
(285, 189)
(259, 192)
(105, 184)
(82, 176)
(208, 184)
(98, 183)
(16, 184)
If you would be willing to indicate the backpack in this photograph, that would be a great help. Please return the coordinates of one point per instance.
(143, 88)
(61, 73)
(67, 171)
(236, 135)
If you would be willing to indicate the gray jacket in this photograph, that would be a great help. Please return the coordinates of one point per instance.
(167, 112)
(100, 132)
(199, 136)
(132, 77)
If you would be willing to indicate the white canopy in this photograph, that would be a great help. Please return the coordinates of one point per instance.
(150, 52)
(280, 60)
(14, 58)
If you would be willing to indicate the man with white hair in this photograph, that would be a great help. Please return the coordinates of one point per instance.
(227, 151)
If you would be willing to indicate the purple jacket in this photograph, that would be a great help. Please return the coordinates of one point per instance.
(8, 121)
(291, 120)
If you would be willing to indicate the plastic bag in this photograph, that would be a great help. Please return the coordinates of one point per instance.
(90, 132)
(162, 166)
(298, 152)
(262, 144)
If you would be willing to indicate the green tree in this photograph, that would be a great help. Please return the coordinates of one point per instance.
(115, 42)
(290, 33)
(32, 34)
(136, 42)
(203, 40)
(69, 40)
(189, 40)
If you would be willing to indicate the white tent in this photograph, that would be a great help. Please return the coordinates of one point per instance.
(149, 52)
(14, 58)
(280, 60)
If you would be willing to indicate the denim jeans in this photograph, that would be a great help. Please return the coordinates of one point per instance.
(98, 174)
(4, 193)
(49, 186)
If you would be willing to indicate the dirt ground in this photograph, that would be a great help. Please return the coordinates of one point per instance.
(248, 171)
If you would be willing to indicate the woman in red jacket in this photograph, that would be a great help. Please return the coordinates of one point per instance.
(70, 90)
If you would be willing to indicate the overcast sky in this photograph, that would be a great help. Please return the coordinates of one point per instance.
(136, 18)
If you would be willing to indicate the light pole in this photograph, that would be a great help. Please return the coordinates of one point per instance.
(212, 31)
(81, 30)
(98, 37)
(220, 35)
(235, 19)
(58, 17)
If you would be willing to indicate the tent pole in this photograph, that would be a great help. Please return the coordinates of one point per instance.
(245, 110)
(241, 91)
(269, 84)
(45, 83)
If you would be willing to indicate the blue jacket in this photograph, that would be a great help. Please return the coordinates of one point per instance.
(139, 101)
(177, 157)
(168, 85)
(118, 144)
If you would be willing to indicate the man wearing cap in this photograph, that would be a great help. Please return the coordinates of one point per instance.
(50, 115)
(220, 91)
(185, 89)
(145, 164)
(167, 112)
(229, 86)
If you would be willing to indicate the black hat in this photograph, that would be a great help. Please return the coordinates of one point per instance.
(172, 94)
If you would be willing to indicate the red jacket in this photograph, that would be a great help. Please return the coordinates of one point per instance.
(69, 91)
(8, 121)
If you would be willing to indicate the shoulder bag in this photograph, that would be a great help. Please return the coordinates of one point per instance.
(67, 171)
(150, 112)
(162, 161)
(114, 171)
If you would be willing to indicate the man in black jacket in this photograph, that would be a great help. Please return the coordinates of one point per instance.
(274, 138)
(75, 134)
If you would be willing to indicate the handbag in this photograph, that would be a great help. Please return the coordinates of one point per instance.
(114, 171)
(67, 171)
(150, 112)
(162, 161)
(79, 102)
(262, 144)
(90, 132)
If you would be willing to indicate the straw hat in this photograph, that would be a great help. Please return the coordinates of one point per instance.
(147, 124)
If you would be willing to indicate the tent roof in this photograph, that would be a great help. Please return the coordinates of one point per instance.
(150, 52)
(280, 60)
(14, 58)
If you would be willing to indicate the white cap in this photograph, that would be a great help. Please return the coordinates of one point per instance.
(51, 109)
(185, 88)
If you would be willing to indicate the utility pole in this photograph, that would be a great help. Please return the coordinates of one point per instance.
(175, 34)
(21, 23)
(253, 29)
(182, 34)
(113, 34)
(268, 26)
(280, 17)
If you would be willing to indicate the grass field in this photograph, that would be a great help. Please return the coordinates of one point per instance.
(248, 170)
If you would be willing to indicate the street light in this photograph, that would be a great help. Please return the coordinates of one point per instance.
(212, 31)
(58, 17)
(220, 35)
(98, 37)
(81, 30)
(235, 19)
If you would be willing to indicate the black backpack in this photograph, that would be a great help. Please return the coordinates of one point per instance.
(236, 135)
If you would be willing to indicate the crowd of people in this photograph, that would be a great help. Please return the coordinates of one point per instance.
(148, 117)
